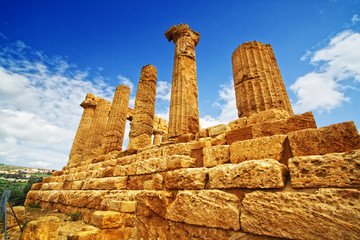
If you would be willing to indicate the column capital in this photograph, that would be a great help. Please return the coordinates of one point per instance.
(90, 101)
(177, 31)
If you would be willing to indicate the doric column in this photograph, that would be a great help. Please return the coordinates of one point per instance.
(77, 148)
(257, 80)
(157, 136)
(97, 129)
(184, 112)
(141, 126)
(115, 128)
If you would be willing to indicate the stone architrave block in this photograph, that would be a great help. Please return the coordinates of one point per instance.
(111, 219)
(266, 173)
(284, 126)
(272, 147)
(329, 170)
(211, 208)
(327, 214)
(216, 155)
(339, 137)
(186, 178)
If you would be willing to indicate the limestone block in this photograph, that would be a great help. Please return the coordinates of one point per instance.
(123, 206)
(20, 214)
(219, 140)
(111, 219)
(211, 208)
(260, 148)
(218, 129)
(329, 170)
(180, 161)
(328, 214)
(44, 228)
(86, 234)
(151, 182)
(334, 138)
(36, 186)
(239, 134)
(126, 170)
(284, 126)
(177, 149)
(266, 116)
(186, 178)
(140, 141)
(106, 183)
(151, 166)
(267, 173)
(216, 155)
(118, 233)
(203, 133)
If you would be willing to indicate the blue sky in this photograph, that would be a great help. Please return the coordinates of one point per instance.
(53, 52)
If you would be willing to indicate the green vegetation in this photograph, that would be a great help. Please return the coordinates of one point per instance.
(19, 190)
(75, 216)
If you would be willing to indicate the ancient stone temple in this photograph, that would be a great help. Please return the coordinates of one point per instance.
(269, 174)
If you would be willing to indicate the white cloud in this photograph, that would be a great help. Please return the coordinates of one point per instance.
(39, 105)
(227, 104)
(163, 90)
(337, 66)
(126, 81)
(355, 19)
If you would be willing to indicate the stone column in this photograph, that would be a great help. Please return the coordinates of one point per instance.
(157, 136)
(97, 129)
(257, 80)
(141, 126)
(115, 128)
(184, 112)
(77, 148)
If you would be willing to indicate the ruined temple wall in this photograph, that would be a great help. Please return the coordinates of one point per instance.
(221, 185)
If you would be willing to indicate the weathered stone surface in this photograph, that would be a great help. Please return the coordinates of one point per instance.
(111, 219)
(267, 173)
(260, 148)
(20, 214)
(210, 208)
(150, 182)
(143, 120)
(96, 130)
(334, 138)
(105, 183)
(218, 129)
(157, 137)
(216, 155)
(328, 214)
(115, 128)
(257, 80)
(123, 206)
(44, 228)
(179, 161)
(330, 170)
(77, 148)
(239, 134)
(184, 112)
(284, 126)
(86, 234)
(187, 178)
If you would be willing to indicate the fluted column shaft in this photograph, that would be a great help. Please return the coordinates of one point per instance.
(184, 112)
(115, 128)
(257, 80)
(141, 126)
(97, 129)
(157, 137)
(77, 148)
